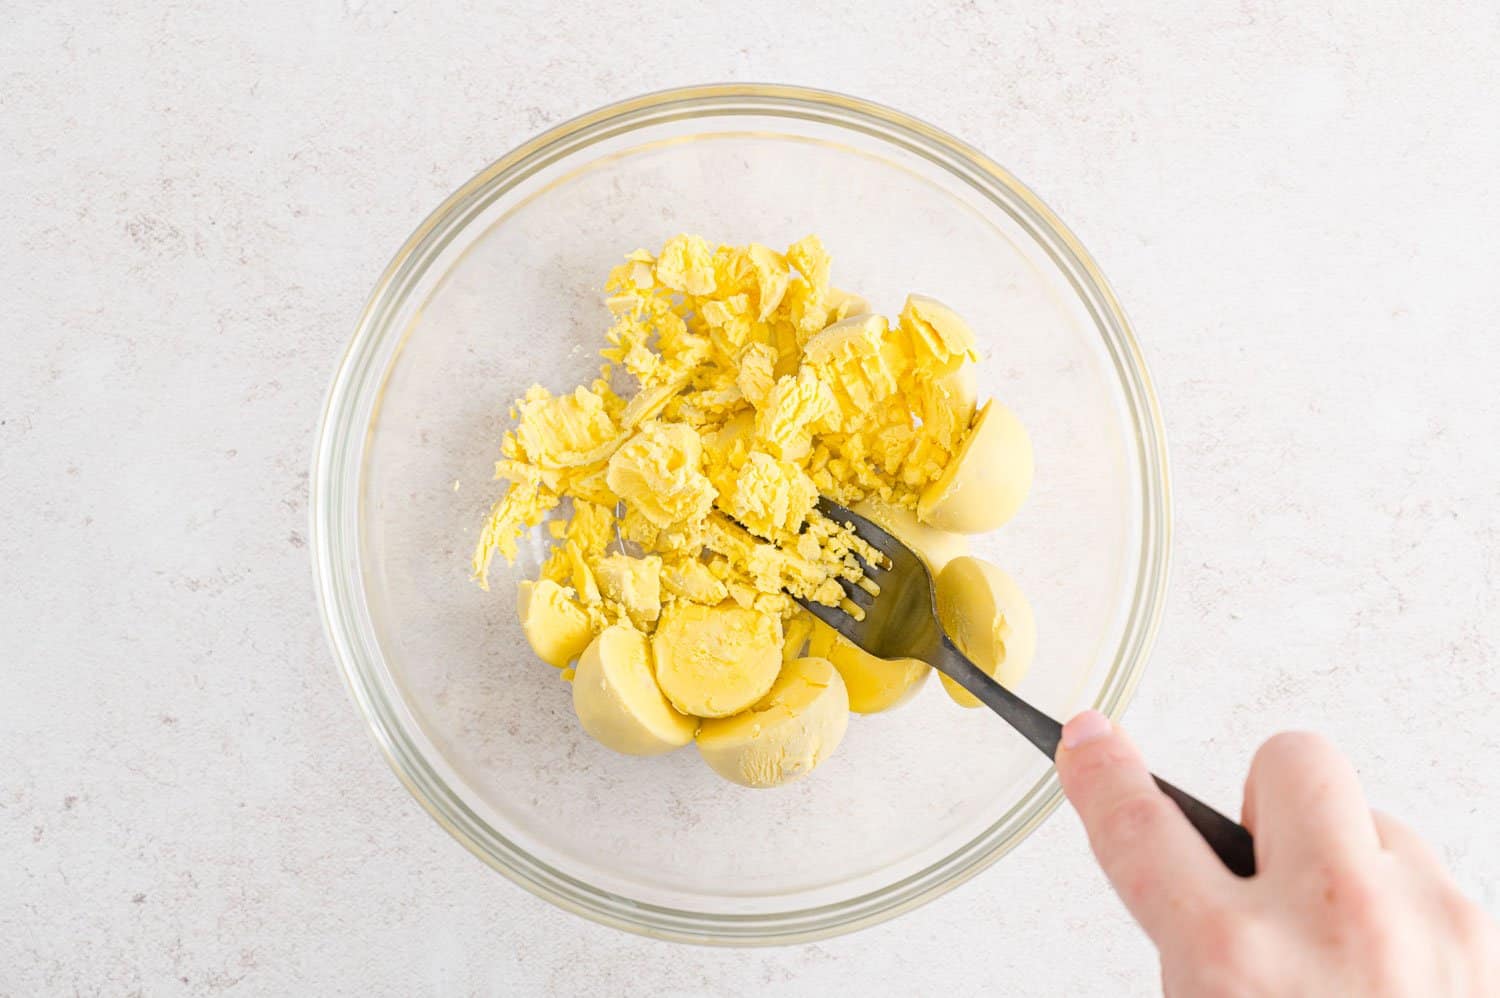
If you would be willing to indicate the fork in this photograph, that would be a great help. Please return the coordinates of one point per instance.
(902, 622)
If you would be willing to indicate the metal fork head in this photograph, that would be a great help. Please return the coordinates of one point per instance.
(901, 622)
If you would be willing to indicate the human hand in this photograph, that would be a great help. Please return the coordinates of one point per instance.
(1345, 901)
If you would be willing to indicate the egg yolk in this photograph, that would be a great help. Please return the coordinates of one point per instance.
(756, 386)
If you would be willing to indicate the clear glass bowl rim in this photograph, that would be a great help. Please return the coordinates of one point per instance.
(352, 401)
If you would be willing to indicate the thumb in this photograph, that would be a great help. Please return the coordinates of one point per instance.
(1160, 867)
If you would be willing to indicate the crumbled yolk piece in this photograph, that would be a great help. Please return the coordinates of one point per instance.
(686, 264)
(796, 407)
(758, 386)
(660, 473)
(770, 496)
(860, 364)
(633, 583)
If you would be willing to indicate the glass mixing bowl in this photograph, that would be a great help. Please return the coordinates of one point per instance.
(500, 288)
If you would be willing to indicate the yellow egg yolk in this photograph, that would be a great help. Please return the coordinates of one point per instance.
(757, 386)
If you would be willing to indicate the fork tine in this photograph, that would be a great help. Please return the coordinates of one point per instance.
(833, 617)
(857, 594)
(866, 567)
(867, 530)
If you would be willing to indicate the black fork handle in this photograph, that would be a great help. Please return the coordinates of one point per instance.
(1230, 841)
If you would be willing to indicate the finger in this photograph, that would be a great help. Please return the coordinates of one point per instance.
(1304, 804)
(1401, 841)
(1161, 868)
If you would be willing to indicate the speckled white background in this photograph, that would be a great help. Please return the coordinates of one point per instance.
(1297, 206)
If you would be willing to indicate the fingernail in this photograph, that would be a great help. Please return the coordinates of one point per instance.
(1086, 727)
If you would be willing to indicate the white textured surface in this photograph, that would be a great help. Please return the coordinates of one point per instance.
(1297, 208)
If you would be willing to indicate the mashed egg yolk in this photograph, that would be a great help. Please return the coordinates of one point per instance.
(680, 487)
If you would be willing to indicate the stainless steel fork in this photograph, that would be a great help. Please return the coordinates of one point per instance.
(902, 622)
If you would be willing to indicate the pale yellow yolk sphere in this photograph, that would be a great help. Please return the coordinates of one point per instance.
(556, 627)
(961, 388)
(784, 736)
(873, 684)
(713, 661)
(987, 616)
(988, 480)
(617, 700)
